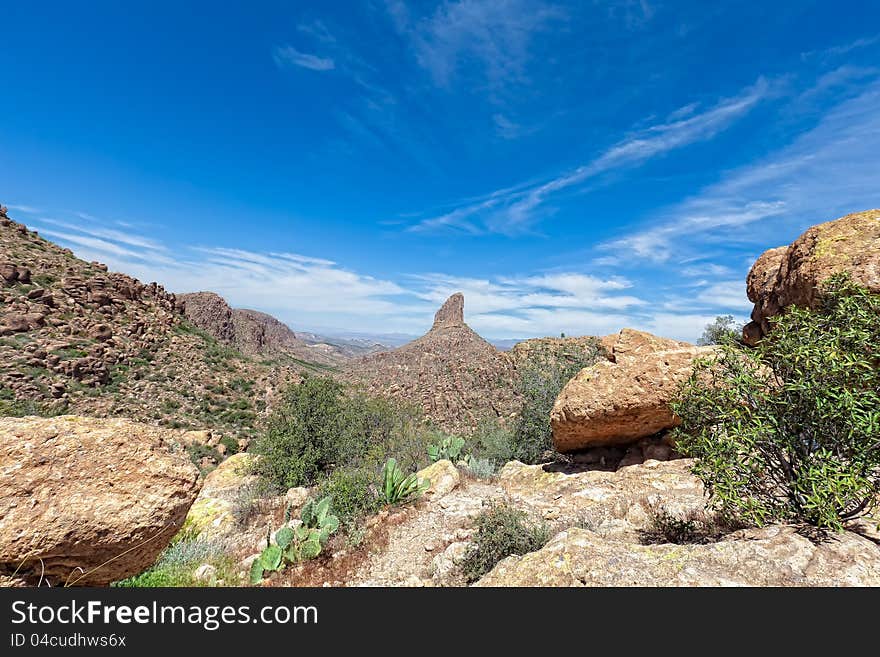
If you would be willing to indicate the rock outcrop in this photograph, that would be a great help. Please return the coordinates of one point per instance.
(625, 399)
(773, 556)
(249, 331)
(612, 502)
(451, 372)
(89, 501)
(209, 312)
(793, 275)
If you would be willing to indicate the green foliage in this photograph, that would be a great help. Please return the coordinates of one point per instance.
(398, 488)
(353, 494)
(790, 431)
(501, 532)
(177, 564)
(493, 442)
(231, 445)
(198, 451)
(723, 330)
(446, 447)
(320, 426)
(480, 468)
(300, 543)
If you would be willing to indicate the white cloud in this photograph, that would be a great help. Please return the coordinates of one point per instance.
(290, 56)
(27, 209)
(495, 34)
(514, 210)
(826, 172)
(729, 295)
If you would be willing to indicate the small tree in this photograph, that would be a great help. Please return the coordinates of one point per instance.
(538, 386)
(790, 431)
(721, 331)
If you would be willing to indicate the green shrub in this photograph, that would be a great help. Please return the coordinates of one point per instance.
(197, 451)
(231, 445)
(319, 426)
(353, 494)
(493, 442)
(538, 386)
(502, 531)
(480, 468)
(177, 564)
(399, 488)
(722, 330)
(790, 431)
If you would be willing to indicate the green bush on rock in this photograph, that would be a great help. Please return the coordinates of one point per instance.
(790, 431)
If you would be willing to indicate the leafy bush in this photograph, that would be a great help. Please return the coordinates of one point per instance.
(300, 543)
(319, 426)
(538, 387)
(398, 488)
(492, 441)
(353, 494)
(177, 564)
(722, 330)
(501, 532)
(480, 468)
(231, 445)
(790, 431)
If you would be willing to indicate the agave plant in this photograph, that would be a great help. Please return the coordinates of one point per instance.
(398, 488)
(300, 543)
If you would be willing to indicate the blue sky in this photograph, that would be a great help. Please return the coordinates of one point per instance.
(571, 167)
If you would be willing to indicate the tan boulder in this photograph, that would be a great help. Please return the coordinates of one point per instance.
(773, 556)
(793, 275)
(89, 501)
(444, 478)
(630, 344)
(212, 513)
(611, 501)
(620, 402)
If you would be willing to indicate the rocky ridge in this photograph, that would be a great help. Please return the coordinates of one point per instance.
(451, 372)
(75, 337)
(254, 333)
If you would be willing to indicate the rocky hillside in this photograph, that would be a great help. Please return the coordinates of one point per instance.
(254, 333)
(451, 372)
(77, 338)
(456, 376)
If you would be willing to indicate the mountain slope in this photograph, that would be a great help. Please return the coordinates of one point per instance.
(77, 338)
(254, 333)
(451, 372)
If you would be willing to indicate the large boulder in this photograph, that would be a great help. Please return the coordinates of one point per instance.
(443, 477)
(793, 275)
(89, 501)
(622, 401)
(615, 502)
(773, 556)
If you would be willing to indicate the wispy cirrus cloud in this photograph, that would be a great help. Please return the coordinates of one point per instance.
(26, 209)
(825, 172)
(515, 210)
(494, 35)
(286, 56)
